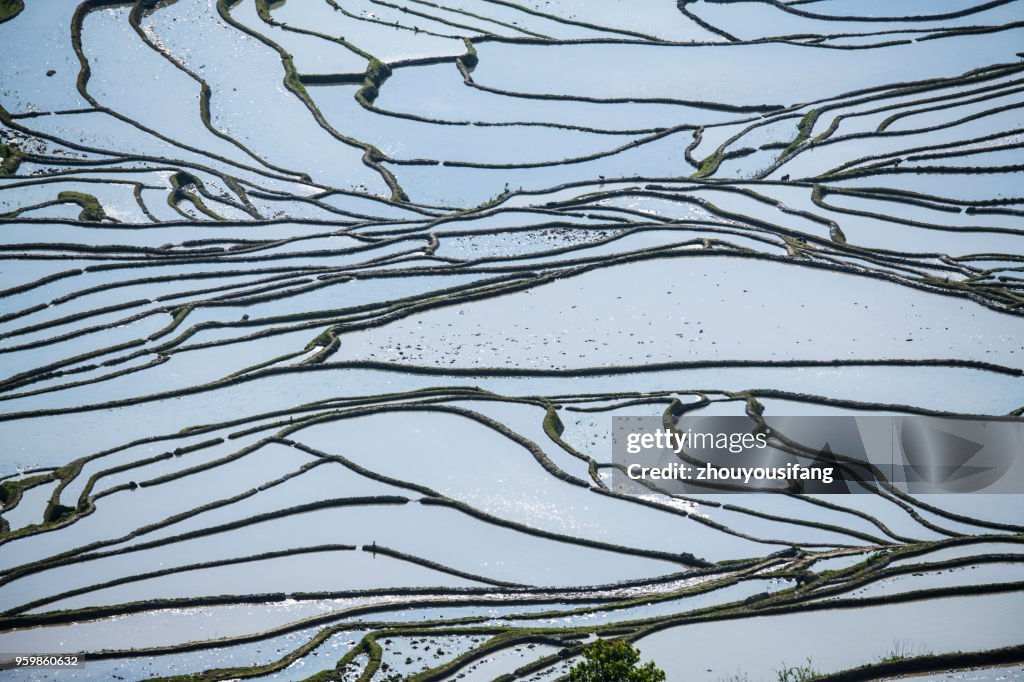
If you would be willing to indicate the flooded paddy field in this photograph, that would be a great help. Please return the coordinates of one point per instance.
(315, 315)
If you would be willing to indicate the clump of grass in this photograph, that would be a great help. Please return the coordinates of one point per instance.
(709, 165)
(180, 182)
(10, 8)
(11, 493)
(803, 132)
(184, 179)
(796, 673)
(9, 489)
(324, 339)
(376, 73)
(295, 82)
(470, 59)
(738, 677)
(57, 513)
(263, 9)
(495, 200)
(92, 211)
(10, 157)
(902, 649)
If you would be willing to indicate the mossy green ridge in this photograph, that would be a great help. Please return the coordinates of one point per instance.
(92, 211)
(10, 9)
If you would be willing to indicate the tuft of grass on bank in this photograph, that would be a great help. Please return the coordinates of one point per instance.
(796, 673)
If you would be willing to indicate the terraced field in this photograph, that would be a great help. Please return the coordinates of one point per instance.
(314, 317)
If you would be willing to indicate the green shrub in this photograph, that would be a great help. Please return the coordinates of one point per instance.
(614, 661)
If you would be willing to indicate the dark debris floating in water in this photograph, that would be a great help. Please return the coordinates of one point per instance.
(313, 317)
